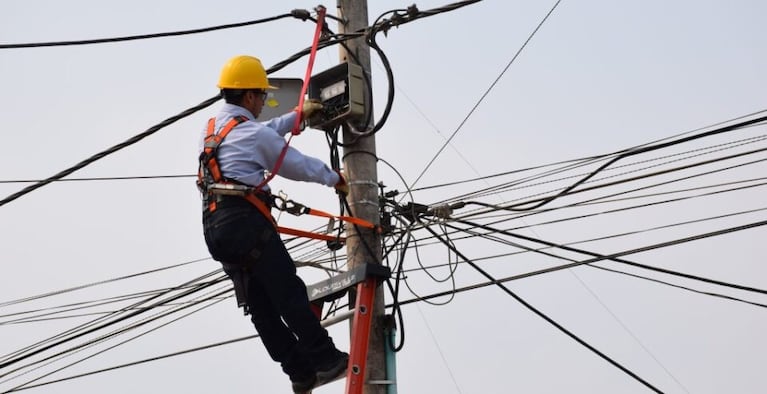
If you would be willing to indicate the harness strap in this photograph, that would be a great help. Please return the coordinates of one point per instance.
(253, 199)
(209, 171)
(350, 219)
(299, 109)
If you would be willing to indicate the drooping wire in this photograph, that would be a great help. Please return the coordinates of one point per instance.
(103, 178)
(323, 44)
(213, 297)
(543, 178)
(148, 132)
(22, 355)
(569, 190)
(58, 292)
(628, 252)
(540, 201)
(637, 265)
(541, 314)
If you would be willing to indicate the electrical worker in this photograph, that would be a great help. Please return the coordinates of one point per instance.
(245, 240)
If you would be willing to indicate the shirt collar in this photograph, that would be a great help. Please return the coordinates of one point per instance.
(236, 110)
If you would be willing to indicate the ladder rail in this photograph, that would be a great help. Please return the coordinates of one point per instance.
(361, 325)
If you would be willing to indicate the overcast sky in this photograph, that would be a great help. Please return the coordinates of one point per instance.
(598, 77)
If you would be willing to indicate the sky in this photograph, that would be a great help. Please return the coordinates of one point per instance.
(598, 77)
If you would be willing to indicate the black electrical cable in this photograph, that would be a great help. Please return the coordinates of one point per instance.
(146, 133)
(323, 44)
(660, 245)
(587, 160)
(618, 259)
(639, 206)
(28, 383)
(134, 363)
(567, 190)
(93, 342)
(724, 296)
(400, 16)
(645, 205)
(648, 175)
(148, 36)
(604, 199)
(105, 178)
(618, 210)
(541, 314)
(20, 357)
(525, 182)
(57, 292)
(540, 251)
(94, 322)
(371, 42)
(80, 346)
(111, 150)
(41, 314)
(77, 306)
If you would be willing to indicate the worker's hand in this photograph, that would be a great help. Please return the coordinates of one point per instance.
(310, 106)
(342, 188)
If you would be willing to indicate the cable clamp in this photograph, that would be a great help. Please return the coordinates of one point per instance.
(366, 183)
(365, 202)
(442, 211)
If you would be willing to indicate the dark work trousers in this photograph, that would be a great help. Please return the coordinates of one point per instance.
(241, 238)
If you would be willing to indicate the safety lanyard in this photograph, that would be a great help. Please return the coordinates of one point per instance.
(297, 124)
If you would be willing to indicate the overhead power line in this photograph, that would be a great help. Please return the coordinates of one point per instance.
(102, 178)
(39, 296)
(568, 190)
(617, 255)
(61, 339)
(210, 300)
(299, 14)
(634, 264)
(544, 316)
(113, 149)
(323, 44)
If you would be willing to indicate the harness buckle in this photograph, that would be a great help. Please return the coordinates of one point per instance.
(294, 208)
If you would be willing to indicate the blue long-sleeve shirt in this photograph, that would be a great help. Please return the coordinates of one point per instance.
(253, 147)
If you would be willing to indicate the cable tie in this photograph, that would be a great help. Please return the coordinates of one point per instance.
(413, 11)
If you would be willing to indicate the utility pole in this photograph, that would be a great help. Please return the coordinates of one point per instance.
(360, 166)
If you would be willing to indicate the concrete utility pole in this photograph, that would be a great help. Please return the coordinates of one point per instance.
(360, 166)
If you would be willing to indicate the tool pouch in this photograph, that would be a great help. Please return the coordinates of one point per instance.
(240, 280)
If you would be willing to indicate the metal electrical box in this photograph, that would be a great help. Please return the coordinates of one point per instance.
(282, 100)
(341, 90)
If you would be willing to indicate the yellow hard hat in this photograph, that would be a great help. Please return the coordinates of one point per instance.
(243, 72)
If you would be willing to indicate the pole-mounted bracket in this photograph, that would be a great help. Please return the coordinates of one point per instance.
(336, 287)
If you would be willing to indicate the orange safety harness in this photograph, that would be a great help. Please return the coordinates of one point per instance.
(212, 183)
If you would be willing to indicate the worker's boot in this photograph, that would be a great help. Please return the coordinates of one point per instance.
(333, 369)
(304, 385)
